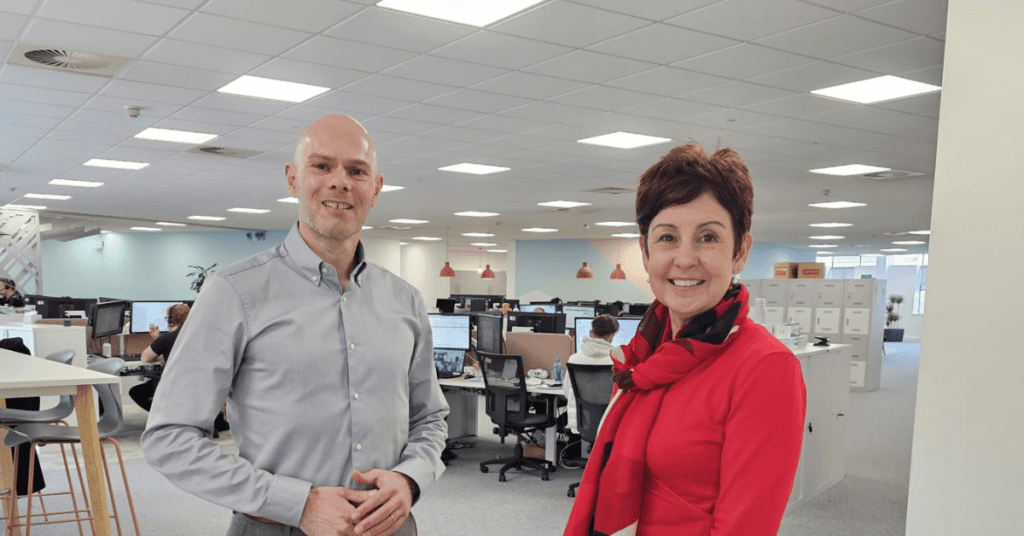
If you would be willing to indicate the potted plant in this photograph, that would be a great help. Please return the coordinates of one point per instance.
(892, 318)
(198, 276)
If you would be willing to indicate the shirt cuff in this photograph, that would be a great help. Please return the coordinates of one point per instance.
(286, 499)
(416, 470)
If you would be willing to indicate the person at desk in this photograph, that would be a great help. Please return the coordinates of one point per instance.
(326, 363)
(9, 295)
(595, 350)
(157, 352)
(703, 435)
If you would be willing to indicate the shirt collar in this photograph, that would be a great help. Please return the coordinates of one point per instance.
(312, 266)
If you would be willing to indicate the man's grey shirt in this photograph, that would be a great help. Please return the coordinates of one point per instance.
(318, 382)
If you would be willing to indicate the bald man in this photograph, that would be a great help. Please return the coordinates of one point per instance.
(325, 361)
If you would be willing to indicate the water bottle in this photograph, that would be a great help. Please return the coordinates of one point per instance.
(556, 371)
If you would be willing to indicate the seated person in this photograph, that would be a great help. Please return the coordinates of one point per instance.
(9, 295)
(595, 350)
(157, 352)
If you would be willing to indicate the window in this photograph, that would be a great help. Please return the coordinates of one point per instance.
(922, 276)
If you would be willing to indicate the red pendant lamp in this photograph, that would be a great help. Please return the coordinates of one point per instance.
(446, 270)
(617, 273)
(585, 272)
(487, 274)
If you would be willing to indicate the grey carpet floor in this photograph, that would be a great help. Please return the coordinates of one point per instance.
(872, 499)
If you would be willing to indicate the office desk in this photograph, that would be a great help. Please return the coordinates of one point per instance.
(463, 417)
(22, 375)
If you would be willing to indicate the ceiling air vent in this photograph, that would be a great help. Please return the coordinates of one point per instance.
(891, 174)
(223, 151)
(611, 190)
(62, 59)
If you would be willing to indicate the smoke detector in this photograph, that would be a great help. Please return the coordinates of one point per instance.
(67, 60)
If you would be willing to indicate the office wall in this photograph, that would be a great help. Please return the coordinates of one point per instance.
(967, 460)
(421, 264)
(762, 259)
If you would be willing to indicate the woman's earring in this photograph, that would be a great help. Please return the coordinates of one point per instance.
(735, 278)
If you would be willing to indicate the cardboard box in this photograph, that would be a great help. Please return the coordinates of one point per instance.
(811, 270)
(786, 270)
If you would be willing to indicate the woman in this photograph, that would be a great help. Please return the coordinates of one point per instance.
(158, 351)
(704, 431)
(595, 350)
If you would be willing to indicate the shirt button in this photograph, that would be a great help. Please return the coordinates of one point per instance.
(352, 346)
(356, 396)
(314, 278)
(359, 446)
(344, 299)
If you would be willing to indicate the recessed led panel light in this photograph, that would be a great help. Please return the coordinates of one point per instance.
(249, 210)
(833, 224)
(563, 204)
(826, 237)
(48, 196)
(474, 169)
(25, 207)
(909, 243)
(624, 140)
(626, 235)
(171, 224)
(539, 230)
(477, 13)
(409, 222)
(207, 218)
(403, 243)
(176, 136)
(893, 250)
(391, 188)
(824, 253)
(478, 235)
(483, 244)
(878, 89)
(266, 88)
(145, 229)
(288, 200)
(925, 232)
(615, 223)
(115, 164)
(849, 169)
(475, 214)
(77, 184)
(497, 251)
(822, 246)
(365, 227)
(427, 238)
(838, 204)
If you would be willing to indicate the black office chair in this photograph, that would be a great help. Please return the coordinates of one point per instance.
(592, 387)
(507, 404)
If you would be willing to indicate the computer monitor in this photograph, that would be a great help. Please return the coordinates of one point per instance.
(573, 311)
(446, 305)
(638, 309)
(145, 313)
(448, 362)
(450, 331)
(627, 328)
(478, 304)
(488, 333)
(539, 322)
(107, 318)
(547, 307)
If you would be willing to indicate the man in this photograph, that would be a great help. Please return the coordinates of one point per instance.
(326, 363)
(9, 295)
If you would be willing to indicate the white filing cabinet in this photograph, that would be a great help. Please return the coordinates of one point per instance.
(774, 293)
(827, 321)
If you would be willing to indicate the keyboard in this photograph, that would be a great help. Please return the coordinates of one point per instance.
(149, 370)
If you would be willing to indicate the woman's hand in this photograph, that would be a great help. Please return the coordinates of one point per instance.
(154, 331)
(624, 379)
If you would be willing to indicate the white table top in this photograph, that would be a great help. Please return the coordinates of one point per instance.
(477, 382)
(22, 372)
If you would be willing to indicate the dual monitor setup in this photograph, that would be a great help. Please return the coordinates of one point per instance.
(106, 316)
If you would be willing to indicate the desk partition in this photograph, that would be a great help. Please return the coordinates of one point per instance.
(539, 350)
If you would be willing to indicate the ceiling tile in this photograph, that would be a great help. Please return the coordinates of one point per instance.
(528, 85)
(505, 123)
(285, 14)
(136, 17)
(348, 54)
(569, 24)
(10, 26)
(84, 137)
(466, 135)
(924, 17)
(197, 113)
(309, 113)
(604, 98)
(587, 66)
(613, 122)
(24, 120)
(550, 111)
(185, 4)
(806, 78)
(240, 104)
(818, 40)
(142, 91)
(744, 61)
(21, 7)
(38, 77)
(657, 10)
(58, 34)
(667, 81)
(435, 114)
(237, 34)
(399, 126)
(150, 109)
(738, 94)
(855, 116)
(104, 125)
(930, 75)
(444, 71)
(478, 101)
(224, 60)
(733, 119)
(307, 73)
(924, 105)
(847, 6)
(747, 20)
(393, 29)
(193, 126)
(10, 107)
(799, 105)
(500, 50)
(904, 56)
(663, 44)
(345, 101)
(397, 88)
(15, 92)
(175, 75)
(672, 109)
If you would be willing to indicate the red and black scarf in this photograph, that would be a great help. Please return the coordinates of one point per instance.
(608, 501)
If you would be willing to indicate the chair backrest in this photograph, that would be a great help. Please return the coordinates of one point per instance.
(62, 356)
(504, 388)
(592, 385)
(111, 418)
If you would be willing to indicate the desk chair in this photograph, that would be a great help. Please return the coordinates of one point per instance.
(507, 404)
(110, 421)
(592, 386)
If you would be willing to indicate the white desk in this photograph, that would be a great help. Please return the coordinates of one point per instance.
(22, 375)
(44, 339)
(463, 417)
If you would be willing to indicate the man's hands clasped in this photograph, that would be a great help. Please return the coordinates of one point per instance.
(338, 511)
